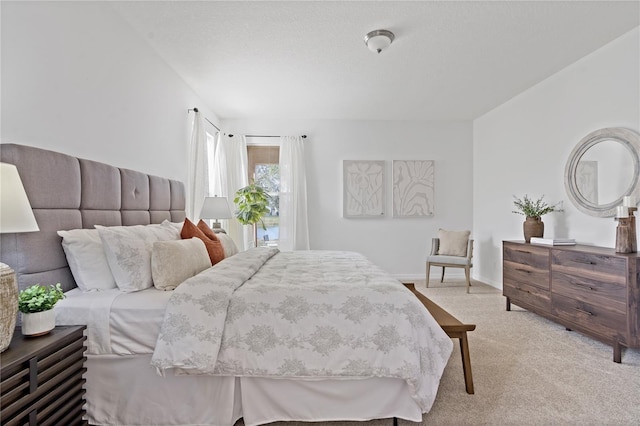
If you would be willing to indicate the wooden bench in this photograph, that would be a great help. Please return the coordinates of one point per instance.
(454, 329)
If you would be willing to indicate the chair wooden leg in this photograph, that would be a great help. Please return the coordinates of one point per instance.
(442, 279)
(428, 273)
(467, 274)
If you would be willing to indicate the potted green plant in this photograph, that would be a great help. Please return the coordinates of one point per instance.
(533, 225)
(36, 304)
(252, 203)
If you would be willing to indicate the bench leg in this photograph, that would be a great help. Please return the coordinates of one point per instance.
(442, 278)
(466, 363)
(428, 273)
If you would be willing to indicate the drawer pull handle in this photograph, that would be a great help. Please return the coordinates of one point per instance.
(583, 311)
(587, 286)
(523, 270)
(586, 262)
(523, 251)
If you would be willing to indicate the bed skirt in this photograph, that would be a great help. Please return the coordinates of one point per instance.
(126, 390)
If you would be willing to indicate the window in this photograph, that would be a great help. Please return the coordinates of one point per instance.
(264, 169)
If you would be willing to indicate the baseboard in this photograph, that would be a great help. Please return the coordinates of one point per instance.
(490, 282)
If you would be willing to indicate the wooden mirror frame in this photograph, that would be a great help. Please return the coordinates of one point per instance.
(631, 140)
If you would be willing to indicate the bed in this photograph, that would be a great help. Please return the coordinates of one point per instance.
(306, 336)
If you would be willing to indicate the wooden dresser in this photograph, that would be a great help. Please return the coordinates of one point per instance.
(42, 380)
(593, 290)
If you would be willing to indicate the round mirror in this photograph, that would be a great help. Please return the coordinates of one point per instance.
(603, 168)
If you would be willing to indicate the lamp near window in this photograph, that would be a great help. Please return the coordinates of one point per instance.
(215, 208)
(15, 216)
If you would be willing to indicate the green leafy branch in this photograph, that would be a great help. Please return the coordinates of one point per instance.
(252, 203)
(528, 207)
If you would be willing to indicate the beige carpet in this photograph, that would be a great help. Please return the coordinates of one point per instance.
(527, 370)
(530, 371)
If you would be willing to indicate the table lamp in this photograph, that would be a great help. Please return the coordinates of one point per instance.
(215, 208)
(15, 216)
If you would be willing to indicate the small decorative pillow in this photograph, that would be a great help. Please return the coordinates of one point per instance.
(453, 243)
(202, 225)
(214, 248)
(172, 262)
(128, 252)
(228, 244)
(86, 259)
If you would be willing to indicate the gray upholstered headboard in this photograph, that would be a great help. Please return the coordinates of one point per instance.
(70, 193)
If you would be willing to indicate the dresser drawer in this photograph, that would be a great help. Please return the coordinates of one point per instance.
(593, 266)
(606, 293)
(525, 264)
(529, 295)
(595, 318)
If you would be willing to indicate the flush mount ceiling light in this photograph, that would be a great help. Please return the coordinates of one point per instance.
(378, 40)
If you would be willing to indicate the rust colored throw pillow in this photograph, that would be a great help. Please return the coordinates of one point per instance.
(214, 248)
(202, 225)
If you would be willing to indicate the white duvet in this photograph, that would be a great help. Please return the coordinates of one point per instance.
(306, 314)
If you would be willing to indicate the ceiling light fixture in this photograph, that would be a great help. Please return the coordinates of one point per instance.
(378, 40)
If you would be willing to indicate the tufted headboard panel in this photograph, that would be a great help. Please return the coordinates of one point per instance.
(66, 192)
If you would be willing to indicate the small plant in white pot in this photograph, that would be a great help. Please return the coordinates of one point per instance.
(36, 304)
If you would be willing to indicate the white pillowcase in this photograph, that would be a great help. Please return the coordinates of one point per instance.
(128, 252)
(228, 244)
(177, 225)
(172, 262)
(86, 258)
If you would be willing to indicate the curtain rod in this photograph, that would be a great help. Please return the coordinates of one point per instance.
(195, 109)
(264, 136)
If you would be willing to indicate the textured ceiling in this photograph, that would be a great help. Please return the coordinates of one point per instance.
(451, 60)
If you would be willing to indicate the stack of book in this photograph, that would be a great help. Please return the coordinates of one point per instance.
(554, 241)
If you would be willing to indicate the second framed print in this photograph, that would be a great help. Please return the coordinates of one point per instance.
(413, 188)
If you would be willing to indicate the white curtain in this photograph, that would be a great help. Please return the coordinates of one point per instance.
(294, 227)
(230, 168)
(198, 179)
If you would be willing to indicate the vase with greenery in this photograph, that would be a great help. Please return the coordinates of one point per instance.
(533, 210)
(252, 204)
(36, 304)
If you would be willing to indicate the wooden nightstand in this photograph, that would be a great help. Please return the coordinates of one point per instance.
(42, 379)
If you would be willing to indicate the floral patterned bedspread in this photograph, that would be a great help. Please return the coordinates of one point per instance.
(302, 314)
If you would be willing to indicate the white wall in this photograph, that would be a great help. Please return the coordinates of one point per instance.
(397, 245)
(522, 146)
(76, 78)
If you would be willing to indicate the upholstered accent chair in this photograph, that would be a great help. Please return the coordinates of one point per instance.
(453, 249)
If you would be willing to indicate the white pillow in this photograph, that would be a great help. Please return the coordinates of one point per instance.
(228, 244)
(177, 225)
(172, 262)
(128, 252)
(86, 258)
(453, 243)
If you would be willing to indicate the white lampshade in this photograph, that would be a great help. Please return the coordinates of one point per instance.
(15, 211)
(378, 40)
(215, 208)
(15, 216)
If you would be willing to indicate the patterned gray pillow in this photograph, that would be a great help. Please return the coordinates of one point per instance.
(128, 251)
